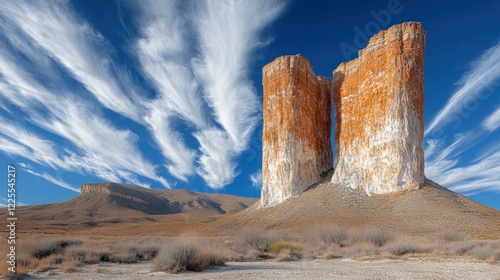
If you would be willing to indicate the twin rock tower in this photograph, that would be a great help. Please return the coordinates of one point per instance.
(378, 104)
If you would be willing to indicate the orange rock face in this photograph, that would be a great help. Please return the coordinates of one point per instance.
(297, 126)
(379, 102)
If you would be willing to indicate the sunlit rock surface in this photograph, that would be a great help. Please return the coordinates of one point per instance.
(379, 103)
(297, 127)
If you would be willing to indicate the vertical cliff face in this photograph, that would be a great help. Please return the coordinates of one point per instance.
(379, 101)
(297, 127)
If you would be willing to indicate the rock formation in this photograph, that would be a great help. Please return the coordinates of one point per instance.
(297, 126)
(379, 103)
(96, 187)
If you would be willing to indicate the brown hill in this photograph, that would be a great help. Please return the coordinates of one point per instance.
(415, 212)
(116, 206)
(119, 209)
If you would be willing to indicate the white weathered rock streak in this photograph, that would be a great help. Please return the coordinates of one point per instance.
(296, 129)
(378, 100)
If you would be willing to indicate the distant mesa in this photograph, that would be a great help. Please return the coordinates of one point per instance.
(378, 100)
(105, 187)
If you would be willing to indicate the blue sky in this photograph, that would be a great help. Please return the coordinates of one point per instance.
(167, 94)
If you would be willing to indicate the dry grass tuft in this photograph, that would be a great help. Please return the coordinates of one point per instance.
(176, 258)
(97, 269)
(68, 268)
(277, 247)
(408, 249)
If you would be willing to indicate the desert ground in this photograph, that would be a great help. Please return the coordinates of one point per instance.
(325, 269)
(113, 231)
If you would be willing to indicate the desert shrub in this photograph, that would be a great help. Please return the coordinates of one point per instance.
(462, 247)
(482, 251)
(46, 247)
(123, 257)
(361, 251)
(405, 249)
(277, 247)
(276, 235)
(287, 255)
(372, 235)
(332, 235)
(128, 252)
(448, 237)
(144, 252)
(255, 238)
(176, 258)
(88, 256)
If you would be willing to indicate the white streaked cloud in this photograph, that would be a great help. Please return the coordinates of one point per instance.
(482, 173)
(229, 32)
(492, 122)
(444, 162)
(256, 179)
(54, 27)
(53, 180)
(19, 141)
(101, 149)
(163, 54)
(196, 58)
(484, 72)
(6, 202)
(171, 143)
(217, 167)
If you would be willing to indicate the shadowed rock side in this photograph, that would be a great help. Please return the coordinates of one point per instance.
(296, 130)
(379, 103)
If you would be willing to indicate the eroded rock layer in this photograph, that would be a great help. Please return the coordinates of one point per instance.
(296, 130)
(379, 103)
(95, 187)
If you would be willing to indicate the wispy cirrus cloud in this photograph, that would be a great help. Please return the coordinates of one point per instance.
(256, 179)
(53, 180)
(492, 122)
(484, 72)
(444, 162)
(196, 57)
(480, 174)
(217, 167)
(54, 27)
(98, 147)
(6, 202)
(163, 53)
(228, 33)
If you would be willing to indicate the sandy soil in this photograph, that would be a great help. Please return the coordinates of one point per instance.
(324, 269)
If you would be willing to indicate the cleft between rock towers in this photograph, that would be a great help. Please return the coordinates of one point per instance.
(378, 101)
